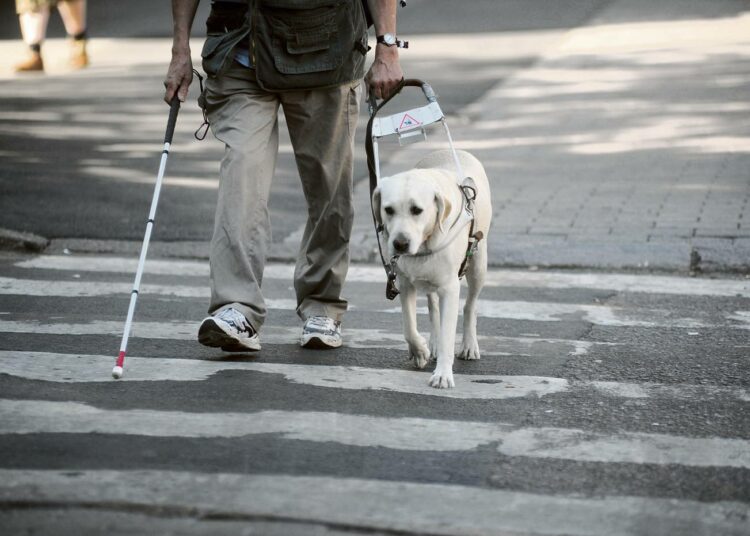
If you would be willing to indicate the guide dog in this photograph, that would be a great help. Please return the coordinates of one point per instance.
(417, 209)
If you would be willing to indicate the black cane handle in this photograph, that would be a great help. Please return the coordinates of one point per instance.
(174, 107)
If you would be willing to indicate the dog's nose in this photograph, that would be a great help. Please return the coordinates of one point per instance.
(401, 244)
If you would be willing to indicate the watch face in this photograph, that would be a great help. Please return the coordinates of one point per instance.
(389, 39)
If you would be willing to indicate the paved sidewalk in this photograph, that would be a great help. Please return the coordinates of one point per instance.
(626, 146)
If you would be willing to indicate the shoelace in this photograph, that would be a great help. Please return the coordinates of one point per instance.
(322, 322)
(235, 318)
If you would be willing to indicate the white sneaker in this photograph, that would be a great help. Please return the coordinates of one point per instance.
(229, 330)
(321, 332)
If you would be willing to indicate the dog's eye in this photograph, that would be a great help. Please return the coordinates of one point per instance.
(389, 211)
(416, 211)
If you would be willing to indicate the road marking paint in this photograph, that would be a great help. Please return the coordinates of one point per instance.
(92, 289)
(371, 274)
(348, 502)
(355, 337)
(677, 391)
(741, 316)
(86, 368)
(415, 434)
(513, 310)
(70, 368)
(120, 265)
(88, 289)
(601, 315)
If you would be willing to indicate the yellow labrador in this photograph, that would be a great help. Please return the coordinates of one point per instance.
(418, 209)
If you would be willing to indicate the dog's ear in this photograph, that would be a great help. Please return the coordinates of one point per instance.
(443, 209)
(376, 206)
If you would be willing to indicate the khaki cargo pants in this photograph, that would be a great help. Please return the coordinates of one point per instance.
(321, 125)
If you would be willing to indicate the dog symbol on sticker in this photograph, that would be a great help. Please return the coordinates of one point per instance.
(408, 122)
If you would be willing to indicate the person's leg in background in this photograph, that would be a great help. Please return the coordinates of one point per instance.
(33, 16)
(73, 13)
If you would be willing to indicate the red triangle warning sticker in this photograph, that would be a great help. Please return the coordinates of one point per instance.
(408, 122)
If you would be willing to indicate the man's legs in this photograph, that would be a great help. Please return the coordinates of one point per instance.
(33, 16)
(73, 13)
(244, 118)
(321, 126)
(34, 25)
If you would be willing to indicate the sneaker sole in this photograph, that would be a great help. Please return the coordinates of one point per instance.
(212, 334)
(319, 342)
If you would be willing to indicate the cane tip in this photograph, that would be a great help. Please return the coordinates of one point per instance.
(117, 373)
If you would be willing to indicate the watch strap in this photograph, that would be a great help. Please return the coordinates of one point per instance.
(398, 43)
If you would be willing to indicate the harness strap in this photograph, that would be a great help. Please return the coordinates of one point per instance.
(470, 194)
(374, 109)
(474, 239)
(391, 290)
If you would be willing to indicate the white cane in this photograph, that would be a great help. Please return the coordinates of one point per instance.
(174, 108)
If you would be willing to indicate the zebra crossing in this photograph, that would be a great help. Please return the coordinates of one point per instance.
(603, 404)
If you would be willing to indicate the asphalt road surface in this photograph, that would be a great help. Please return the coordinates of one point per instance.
(603, 404)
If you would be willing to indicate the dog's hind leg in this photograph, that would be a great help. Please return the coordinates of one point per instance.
(418, 349)
(475, 279)
(433, 306)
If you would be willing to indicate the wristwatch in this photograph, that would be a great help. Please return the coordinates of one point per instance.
(387, 39)
(390, 40)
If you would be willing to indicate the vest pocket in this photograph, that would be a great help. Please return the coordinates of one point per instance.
(309, 40)
(218, 50)
(307, 44)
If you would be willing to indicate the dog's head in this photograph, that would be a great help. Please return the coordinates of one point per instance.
(411, 207)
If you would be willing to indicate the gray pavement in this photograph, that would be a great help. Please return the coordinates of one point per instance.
(606, 401)
(612, 403)
(632, 145)
(81, 148)
(624, 146)
(618, 144)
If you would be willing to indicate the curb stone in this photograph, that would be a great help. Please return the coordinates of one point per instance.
(17, 240)
(705, 256)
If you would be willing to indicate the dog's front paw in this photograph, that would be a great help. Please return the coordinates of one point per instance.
(442, 380)
(419, 352)
(469, 351)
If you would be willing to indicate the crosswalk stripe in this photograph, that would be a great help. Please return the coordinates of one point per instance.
(354, 337)
(373, 274)
(92, 289)
(416, 434)
(348, 503)
(601, 315)
(86, 368)
(514, 310)
(70, 368)
(89, 289)
(125, 265)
